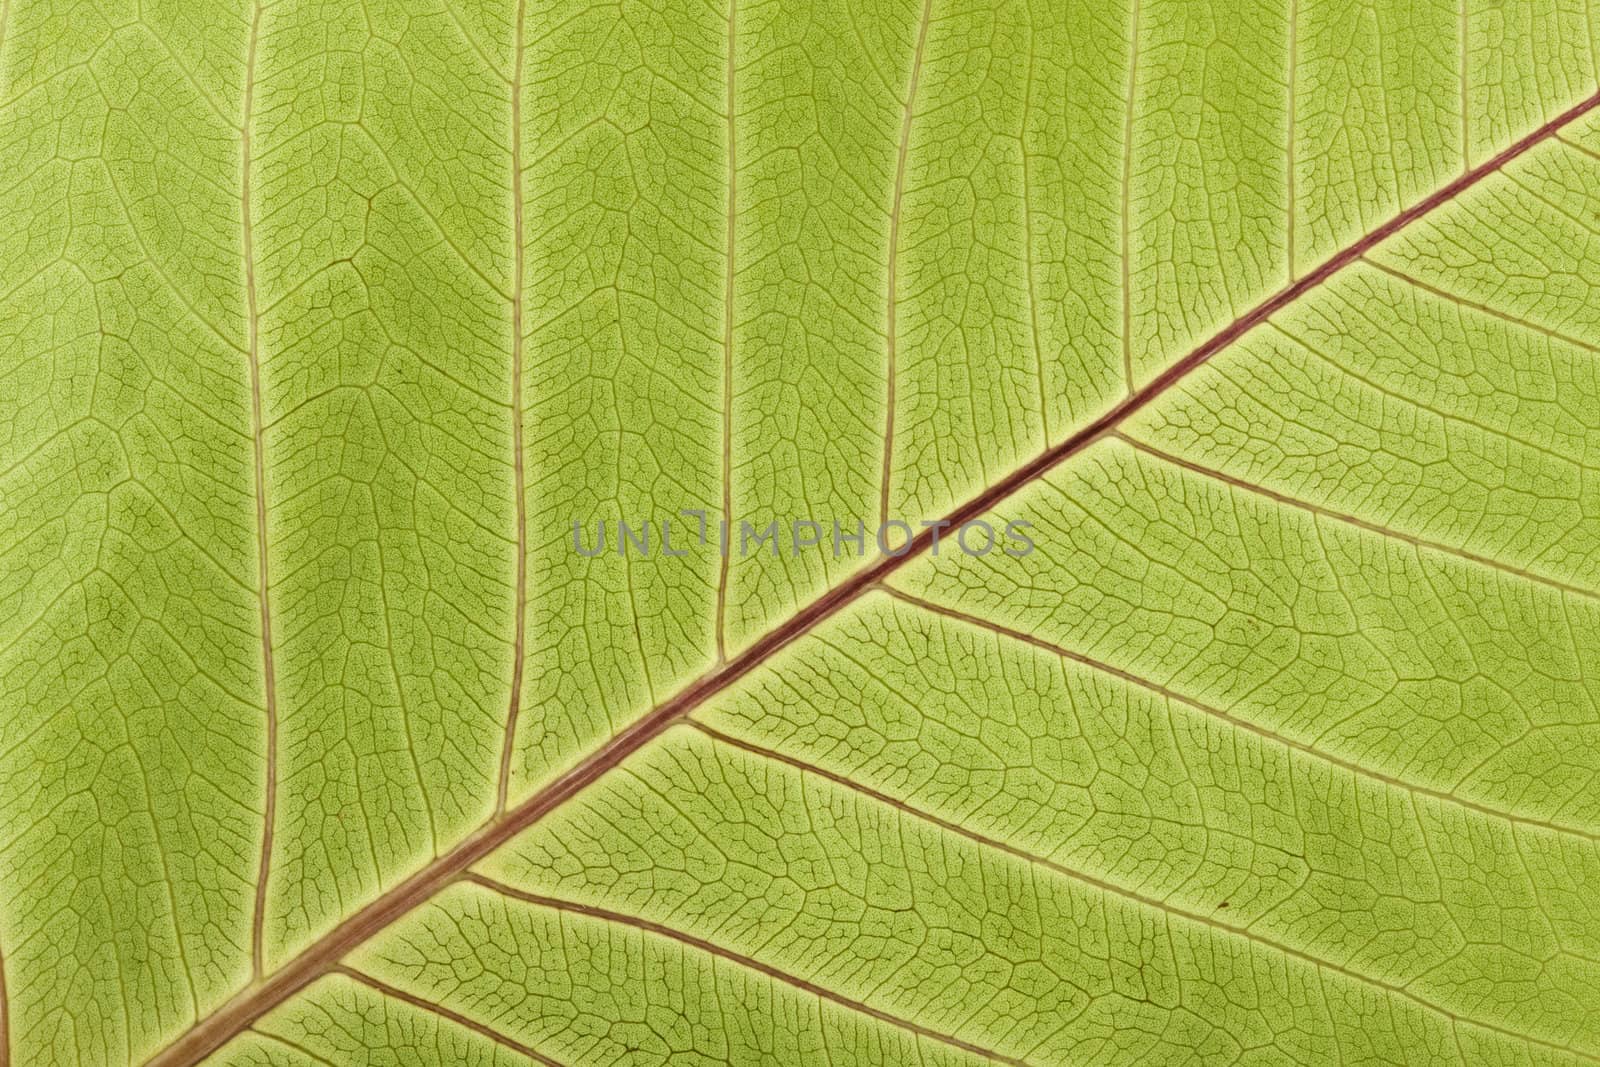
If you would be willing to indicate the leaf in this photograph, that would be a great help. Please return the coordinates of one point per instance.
(321, 325)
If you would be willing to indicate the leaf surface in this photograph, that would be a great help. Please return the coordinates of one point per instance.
(321, 325)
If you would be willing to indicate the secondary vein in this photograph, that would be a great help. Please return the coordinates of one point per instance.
(5, 1016)
(891, 310)
(211, 1033)
(258, 449)
(433, 1007)
(727, 327)
(518, 478)
(1125, 235)
(722, 952)
(1111, 888)
(1265, 733)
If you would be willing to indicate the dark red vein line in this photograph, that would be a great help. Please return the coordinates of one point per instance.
(1473, 305)
(435, 1008)
(519, 484)
(251, 1003)
(1125, 222)
(722, 952)
(293, 1046)
(258, 450)
(1466, 97)
(1577, 147)
(5, 21)
(1027, 254)
(1348, 519)
(727, 326)
(5, 1000)
(1210, 711)
(1294, 95)
(1112, 888)
(891, 310)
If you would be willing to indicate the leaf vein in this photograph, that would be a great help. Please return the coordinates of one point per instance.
(251, 1003)
(722, 952)
(435, 1008)
(1233, 720)
(1112, 888)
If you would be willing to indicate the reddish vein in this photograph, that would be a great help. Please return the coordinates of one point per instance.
(722, 952)
(5, 1000)
(727, 332)
(892, 303)
(258, 446)
(1333, 514)
(1045, 863)
(519, 644)
(294, 1046)
(1125, 236)
(1237, 722)
(250, 1004)
(435, 1008)
(1294, 33)
(1466, 98)
(1027, 257)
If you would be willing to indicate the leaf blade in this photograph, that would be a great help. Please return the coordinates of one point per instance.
(397, 649)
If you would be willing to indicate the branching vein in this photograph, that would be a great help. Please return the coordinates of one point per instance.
(722, 952)
(896, 201)
(1111, 888)
(258, 451)
(519, 481)
(326, 952)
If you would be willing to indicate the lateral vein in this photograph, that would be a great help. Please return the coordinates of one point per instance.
(722, 952)
(1127, 186)
(5, 1015)
(1112, 888)
(433, 1007)
(518, 477)
(1352, 520)
(258, 449)
(1001, 630)
(1482, 308)
(891, 310)
(210, 1033)
(727, 326)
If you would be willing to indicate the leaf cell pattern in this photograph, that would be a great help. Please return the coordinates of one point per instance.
(322, 322)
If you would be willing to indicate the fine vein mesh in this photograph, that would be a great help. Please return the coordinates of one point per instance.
(321, 323)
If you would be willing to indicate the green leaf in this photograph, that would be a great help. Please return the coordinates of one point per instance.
(1273, 325)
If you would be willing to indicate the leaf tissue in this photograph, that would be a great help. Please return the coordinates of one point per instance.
(1100, 509)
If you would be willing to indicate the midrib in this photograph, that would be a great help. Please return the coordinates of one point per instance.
(320, 957)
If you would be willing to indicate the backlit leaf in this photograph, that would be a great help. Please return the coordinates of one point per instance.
(1261, 338)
